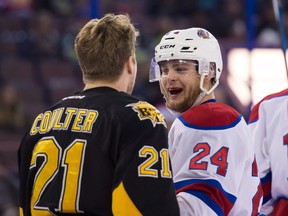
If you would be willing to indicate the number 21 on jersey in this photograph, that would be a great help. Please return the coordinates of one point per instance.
(152, 157)
(71, 160)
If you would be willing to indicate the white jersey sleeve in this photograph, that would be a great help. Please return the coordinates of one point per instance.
(269, 129)
(212, 161)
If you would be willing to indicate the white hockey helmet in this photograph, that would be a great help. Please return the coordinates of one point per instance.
(188, 44)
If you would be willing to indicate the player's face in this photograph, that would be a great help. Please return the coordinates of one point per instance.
(180, 84)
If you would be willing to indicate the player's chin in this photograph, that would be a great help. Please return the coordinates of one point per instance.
(174, 105)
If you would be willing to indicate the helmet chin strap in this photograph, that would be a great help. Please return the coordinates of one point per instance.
(204, 91)
(174, 113)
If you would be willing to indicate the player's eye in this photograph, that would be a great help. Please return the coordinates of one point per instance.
(180, 69)
(164, 71)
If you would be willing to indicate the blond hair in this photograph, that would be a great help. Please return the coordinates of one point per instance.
(104, 45)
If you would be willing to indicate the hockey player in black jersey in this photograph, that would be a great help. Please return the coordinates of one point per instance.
(100, 151)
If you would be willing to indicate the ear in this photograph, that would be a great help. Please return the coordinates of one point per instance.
(212, 69)
(211, 73)
(131, 64)
(207, 78)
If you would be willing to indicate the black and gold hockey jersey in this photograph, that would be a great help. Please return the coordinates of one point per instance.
(99, 152)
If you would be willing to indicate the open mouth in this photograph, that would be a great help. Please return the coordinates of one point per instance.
(175, 90)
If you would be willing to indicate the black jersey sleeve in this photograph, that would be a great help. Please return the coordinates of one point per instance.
(143, 171)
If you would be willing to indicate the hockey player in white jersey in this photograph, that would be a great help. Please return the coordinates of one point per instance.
(268, 123)
(210, 148)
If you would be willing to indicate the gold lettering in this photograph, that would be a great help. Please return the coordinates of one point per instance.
(58, 125)
(69, 113)
(44, 125)
(51, 122)
(83, 122)
(78, 119)
(144, 111)
(34, 128)
(89, 121)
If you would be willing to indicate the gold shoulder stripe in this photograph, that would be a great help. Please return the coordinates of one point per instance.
(122, 204)
(21, 211)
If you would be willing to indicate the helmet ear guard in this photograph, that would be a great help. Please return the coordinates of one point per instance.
(154, 73)
(204, 67)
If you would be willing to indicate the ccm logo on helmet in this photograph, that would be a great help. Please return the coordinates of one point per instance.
(167, 46)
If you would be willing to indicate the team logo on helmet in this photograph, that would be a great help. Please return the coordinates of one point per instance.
(203, 34)
(147, 111)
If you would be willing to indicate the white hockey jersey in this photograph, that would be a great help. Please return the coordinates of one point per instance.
(268, 123)
(213, 162)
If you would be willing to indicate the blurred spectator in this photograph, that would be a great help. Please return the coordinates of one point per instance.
(12, 115)
(12, 32)
(8, 191)
(20, 8)
(68, 31)
(56, 7)
(82, 9)
(269, 37)
(267, 28)
(43, 37)
(233, 22)
(50, 28)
